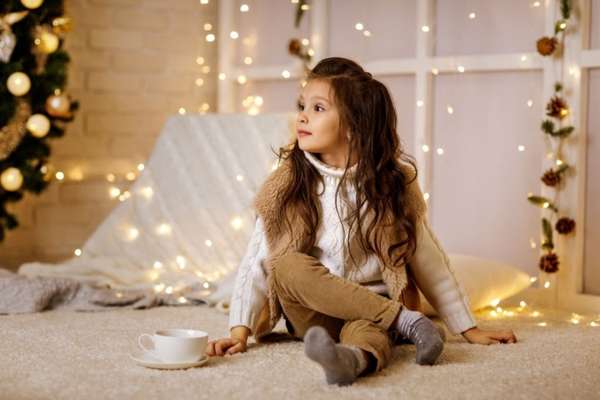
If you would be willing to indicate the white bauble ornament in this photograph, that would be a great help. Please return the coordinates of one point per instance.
(11, 179)
(38, 125)
(8, 41)
(18, 83)
(31, 4)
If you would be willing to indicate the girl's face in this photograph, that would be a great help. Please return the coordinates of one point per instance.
(318, 116)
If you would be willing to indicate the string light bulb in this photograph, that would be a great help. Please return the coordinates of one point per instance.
(114, 192)
(147, 192)
(181, 262)
(132, 233)
(236, 223)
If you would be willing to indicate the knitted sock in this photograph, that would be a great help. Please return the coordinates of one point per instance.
(342, 363)
(423, 333)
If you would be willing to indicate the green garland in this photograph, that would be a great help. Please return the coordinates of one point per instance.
(557, 110)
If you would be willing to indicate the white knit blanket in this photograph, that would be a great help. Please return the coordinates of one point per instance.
(188, 219)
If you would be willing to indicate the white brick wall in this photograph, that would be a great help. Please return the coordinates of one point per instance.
(133, 63)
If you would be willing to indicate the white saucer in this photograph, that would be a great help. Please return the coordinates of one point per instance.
(147, 360)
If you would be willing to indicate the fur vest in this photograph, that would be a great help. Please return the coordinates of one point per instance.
(267, 203)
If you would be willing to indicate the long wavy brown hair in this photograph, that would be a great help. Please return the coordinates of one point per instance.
(367, 112)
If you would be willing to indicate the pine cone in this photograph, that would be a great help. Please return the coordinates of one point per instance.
(556, 108)
(546, 45)
(551, 178)
(294, 47)
(549, 263)
(565, 225)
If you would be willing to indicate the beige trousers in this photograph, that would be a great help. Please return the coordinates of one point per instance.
(352, 314)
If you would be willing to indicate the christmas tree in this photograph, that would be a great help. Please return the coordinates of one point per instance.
(33, 105)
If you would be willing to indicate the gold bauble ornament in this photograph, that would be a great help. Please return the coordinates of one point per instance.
(11, 179)
(58, 105)
(62, 25)
(31, 4)
(38, 125)
(47, 41)
(18, 83)
(48, 172)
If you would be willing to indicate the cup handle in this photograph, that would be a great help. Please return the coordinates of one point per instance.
(143, 347)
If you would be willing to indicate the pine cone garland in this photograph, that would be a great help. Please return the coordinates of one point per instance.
(565, 225)
(294, 47)
(549, 263)
(546, 45)
(551, 178)
(557, 108)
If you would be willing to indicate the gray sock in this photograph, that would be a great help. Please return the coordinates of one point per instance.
(342, 364)
(423, 333)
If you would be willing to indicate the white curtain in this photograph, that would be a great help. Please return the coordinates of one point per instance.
(188, 216)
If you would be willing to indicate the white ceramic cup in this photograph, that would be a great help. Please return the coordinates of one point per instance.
(175, 345)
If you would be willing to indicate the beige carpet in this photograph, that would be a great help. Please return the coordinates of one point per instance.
(70, 355)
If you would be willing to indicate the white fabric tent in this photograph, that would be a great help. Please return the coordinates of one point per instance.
(188, 218)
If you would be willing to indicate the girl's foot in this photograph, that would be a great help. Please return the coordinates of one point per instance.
(342, 364)
(421, 331)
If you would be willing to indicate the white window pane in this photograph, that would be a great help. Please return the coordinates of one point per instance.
(591, 276)
(265, 30)
(595, 25)
(478, 201)
(391, 24)
(268, 95)
(505, 26)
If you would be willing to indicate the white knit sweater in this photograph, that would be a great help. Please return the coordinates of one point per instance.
(430, 265)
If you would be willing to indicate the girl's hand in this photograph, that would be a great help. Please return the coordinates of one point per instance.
(223, 346)
(480, 336)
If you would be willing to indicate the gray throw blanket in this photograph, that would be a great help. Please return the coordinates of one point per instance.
(21, 294)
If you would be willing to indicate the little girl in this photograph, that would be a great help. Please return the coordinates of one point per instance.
(348, 297)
